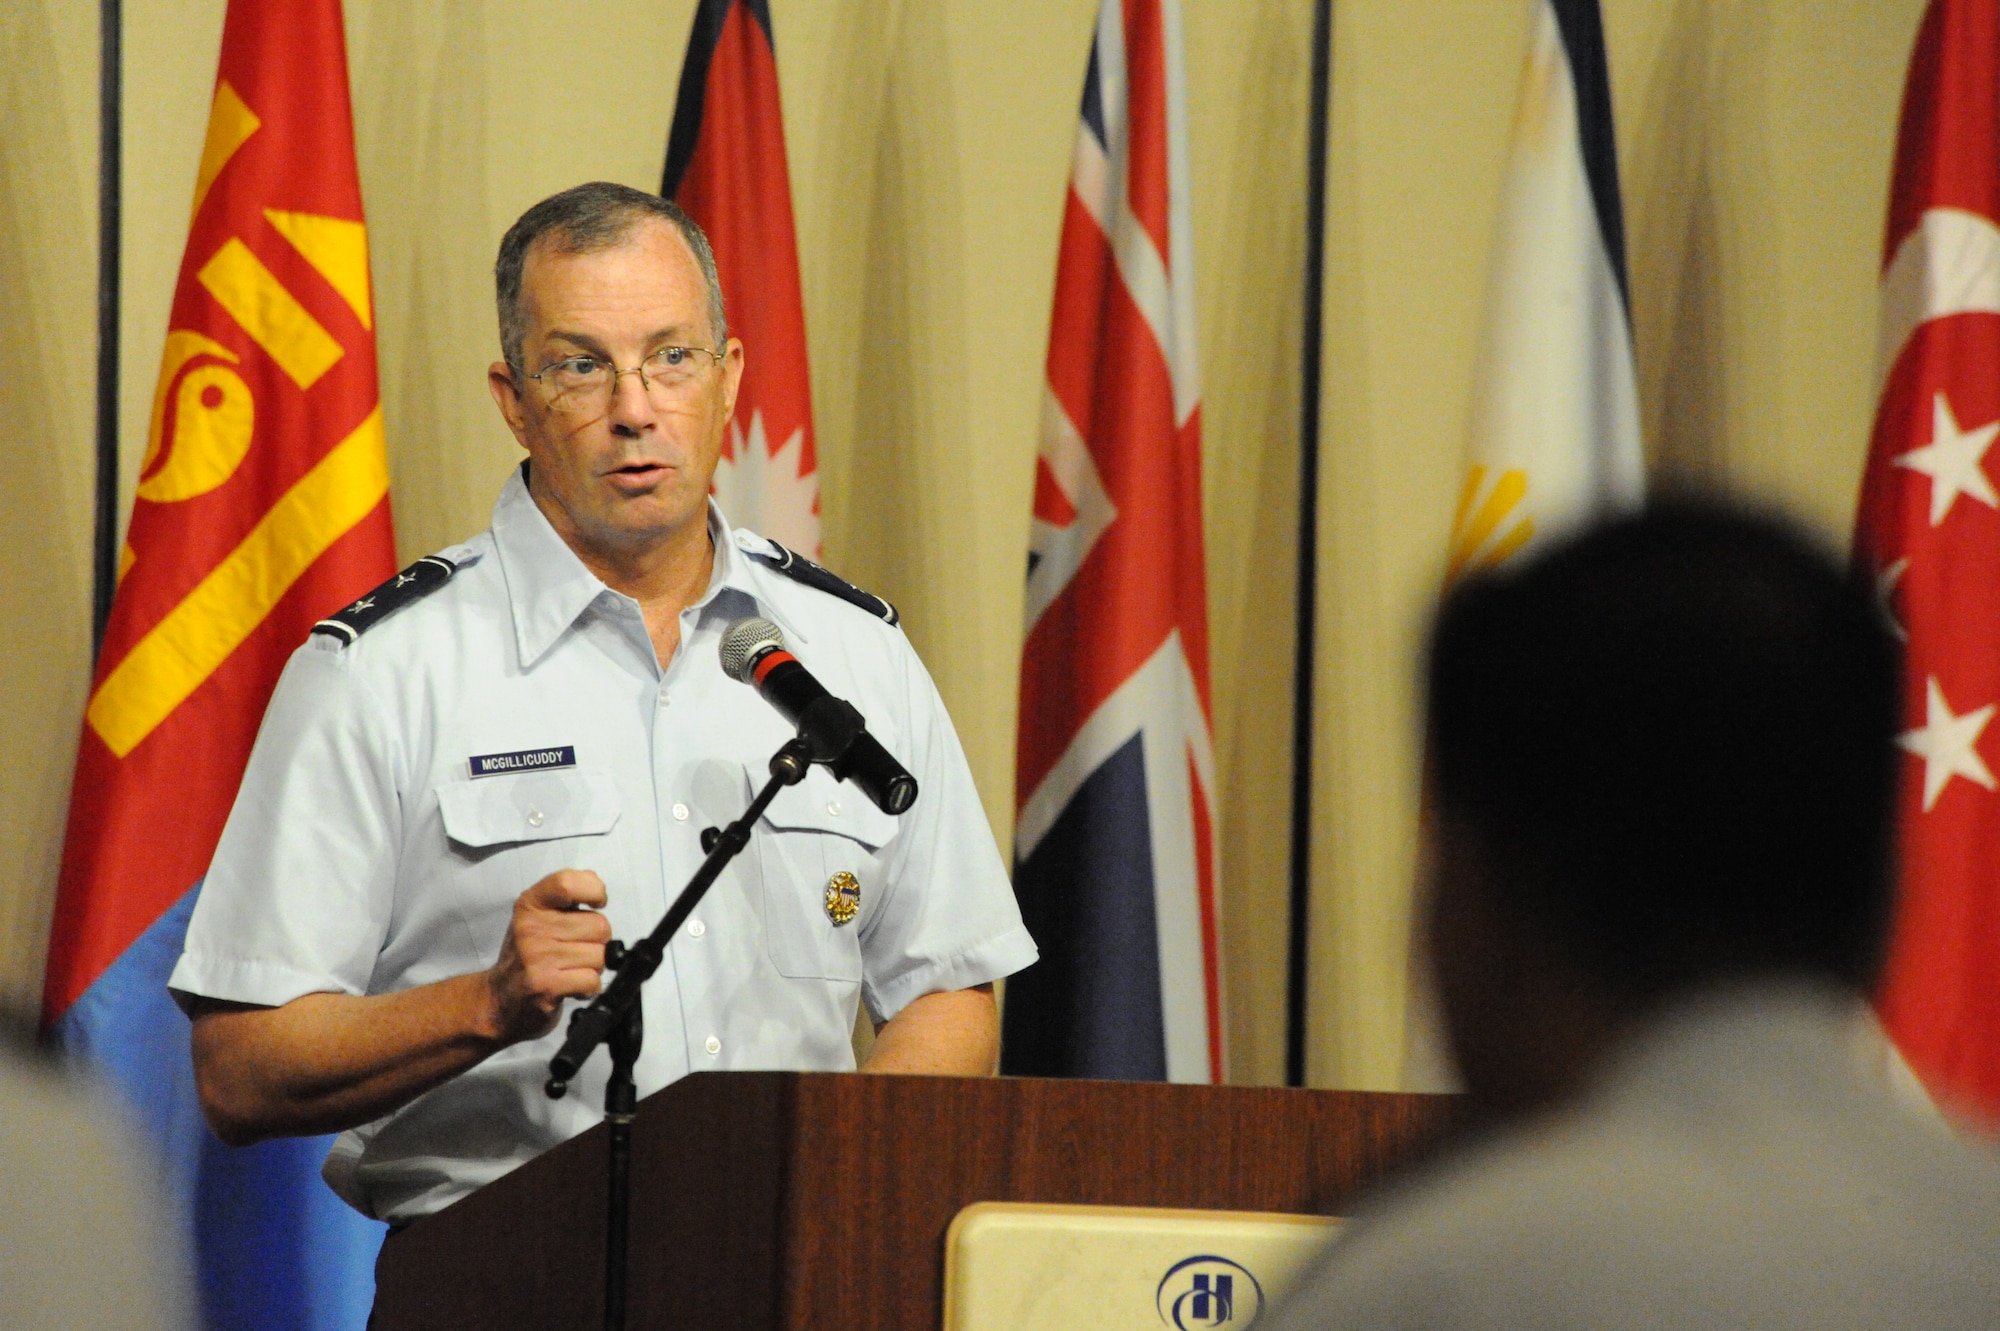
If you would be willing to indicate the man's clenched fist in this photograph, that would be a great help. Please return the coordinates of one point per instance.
(554, 950)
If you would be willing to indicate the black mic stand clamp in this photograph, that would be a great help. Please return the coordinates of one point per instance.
(615, 1018)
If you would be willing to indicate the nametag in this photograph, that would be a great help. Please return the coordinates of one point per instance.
(526, 760)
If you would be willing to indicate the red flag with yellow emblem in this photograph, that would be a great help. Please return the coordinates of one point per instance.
(262, 505)
(263, 499)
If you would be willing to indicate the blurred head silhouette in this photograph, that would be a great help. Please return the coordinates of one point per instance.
(1661, 757)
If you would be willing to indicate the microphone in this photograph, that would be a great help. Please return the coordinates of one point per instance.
(753, 653)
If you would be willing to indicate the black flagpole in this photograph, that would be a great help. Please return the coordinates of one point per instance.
(110, 141)
(1308, 582)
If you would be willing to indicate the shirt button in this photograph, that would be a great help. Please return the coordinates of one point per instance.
(712, 1045)
(680, 813)
(534, 818)
(833, 807)
(696, 928)
(665, 698)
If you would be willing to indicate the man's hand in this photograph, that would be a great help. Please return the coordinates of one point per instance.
(324, 1062)
(554, 950)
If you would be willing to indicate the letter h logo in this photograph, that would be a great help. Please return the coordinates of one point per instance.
(1218, 1291)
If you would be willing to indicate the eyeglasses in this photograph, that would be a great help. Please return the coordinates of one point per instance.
(581, 383)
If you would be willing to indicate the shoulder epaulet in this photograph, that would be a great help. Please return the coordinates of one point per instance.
(800, 569)
(413, 584)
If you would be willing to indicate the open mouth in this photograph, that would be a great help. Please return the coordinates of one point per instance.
(639, 472)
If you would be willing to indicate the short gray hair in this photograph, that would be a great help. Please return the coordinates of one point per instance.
(580, 220)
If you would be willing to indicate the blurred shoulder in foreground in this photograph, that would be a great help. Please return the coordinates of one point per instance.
(1661, 759)
(87, 1245)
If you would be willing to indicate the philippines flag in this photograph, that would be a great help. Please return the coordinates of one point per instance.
(726, 167)
(1928, 532)
(263, 502)
(1553, 425)
(1555, 416)
(1115, 859)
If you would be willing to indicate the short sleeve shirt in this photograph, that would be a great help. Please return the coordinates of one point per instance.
(406, 787)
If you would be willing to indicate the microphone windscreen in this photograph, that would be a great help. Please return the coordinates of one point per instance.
(744, 641)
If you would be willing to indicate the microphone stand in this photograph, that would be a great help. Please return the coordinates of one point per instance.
(614, 1017)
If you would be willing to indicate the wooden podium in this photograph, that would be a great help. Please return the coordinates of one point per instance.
(820, 1200)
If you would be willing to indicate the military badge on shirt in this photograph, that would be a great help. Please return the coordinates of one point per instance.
(843, 897)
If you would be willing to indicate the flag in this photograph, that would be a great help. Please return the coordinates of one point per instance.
(1554, 427)
(1114, 840)
(262, 505)
(726, 167)
(1928, 531)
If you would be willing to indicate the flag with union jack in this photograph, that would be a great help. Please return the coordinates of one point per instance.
(1114, 842)
(263, 504)
(1928, 532)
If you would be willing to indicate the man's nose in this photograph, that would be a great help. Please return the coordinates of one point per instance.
(631, 408)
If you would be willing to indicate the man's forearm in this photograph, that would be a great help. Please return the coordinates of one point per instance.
(327, 1062)
(955, 1033)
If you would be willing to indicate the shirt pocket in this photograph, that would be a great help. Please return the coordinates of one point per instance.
(534, 806)
(811, 835)
(509, 832)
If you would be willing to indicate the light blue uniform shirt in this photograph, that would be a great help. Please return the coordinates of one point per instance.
(364, 857)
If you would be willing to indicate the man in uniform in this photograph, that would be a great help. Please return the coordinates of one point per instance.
(1662, 758)
(472, 779)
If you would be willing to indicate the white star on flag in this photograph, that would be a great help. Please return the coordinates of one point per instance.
(1952, 460)
(761, 487)
(1946, 744)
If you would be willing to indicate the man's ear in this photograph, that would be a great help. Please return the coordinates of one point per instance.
(732, 375)
(507, 396)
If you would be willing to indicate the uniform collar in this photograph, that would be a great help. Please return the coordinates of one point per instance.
(548, 586)
(737, 575)
(1779, 1034)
